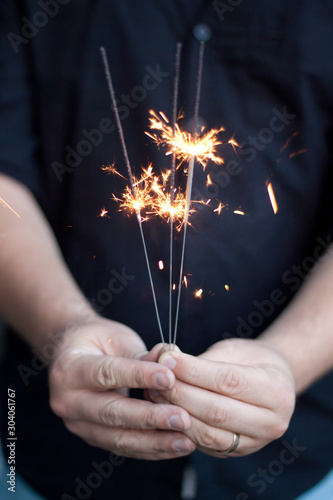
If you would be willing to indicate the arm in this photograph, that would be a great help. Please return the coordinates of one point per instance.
(303, 333)
(249, 386)
(38, 296)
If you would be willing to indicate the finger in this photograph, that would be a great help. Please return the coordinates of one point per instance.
(155, 396)
(252, 384)
(115, 410)
(140, 444)
(215, 442)
(158, 350)
(222, 412)
(87, 371)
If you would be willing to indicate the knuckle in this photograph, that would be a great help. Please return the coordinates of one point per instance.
(284, 399)
(230, 381)
(139, 376)
(70, 425)
(208, 437)
(57, 407)
(218, 415)
(278, 428)
(107, 415)
(125, 443)
(149, 420)
(106, 373)
(57, 374)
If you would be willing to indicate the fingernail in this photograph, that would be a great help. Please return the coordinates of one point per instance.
(168, 361)
(163, 381)
(181, 445)
(177, 422)
(153, 394)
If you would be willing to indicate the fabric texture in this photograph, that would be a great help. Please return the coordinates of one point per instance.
(268, 79)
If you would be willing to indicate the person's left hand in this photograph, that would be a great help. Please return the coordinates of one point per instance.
(236, 386)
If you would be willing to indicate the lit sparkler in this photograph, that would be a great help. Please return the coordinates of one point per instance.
(184, 144)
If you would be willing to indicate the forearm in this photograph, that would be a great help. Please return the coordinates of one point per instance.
(37, 292)
(303, 333)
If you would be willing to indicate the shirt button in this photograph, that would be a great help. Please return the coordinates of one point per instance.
(202, 32)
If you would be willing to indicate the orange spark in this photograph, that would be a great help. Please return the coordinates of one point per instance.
(185, 281)
(234, 144)
(209, 181)
(111, 169)
(10, 208)
(272, 197)
(161, 265)
(296, 153)
(239, 212)
(288, 141)
(103, 212)
(227, 287)
(198, 294)
(219, 209)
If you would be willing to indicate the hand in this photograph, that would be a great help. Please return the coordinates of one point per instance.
(87, 379)
(236, 386)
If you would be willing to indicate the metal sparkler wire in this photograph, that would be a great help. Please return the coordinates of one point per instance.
(189, 180)
(173, 178)
(131, 180)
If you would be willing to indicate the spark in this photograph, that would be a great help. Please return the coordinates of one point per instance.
(209, 181)
(296, 153)
(185, 281)
(219, 209)
(234, 144)
(111, 169)
(161, 265)
(288, 141)
(198, 294)
(10, 208)
(182, 143)
(272, 197)
(239, 212)
(103, 213)
(153, 199)
(227, 288)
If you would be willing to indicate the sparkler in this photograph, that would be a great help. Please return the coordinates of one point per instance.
(189, 181)
(148, 194)
(131, 179)
(173, 177)
(156, 195)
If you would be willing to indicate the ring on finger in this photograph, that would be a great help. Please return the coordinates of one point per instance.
(233, 446)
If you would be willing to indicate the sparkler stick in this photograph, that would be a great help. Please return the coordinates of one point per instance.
(173, 177)
(131, 180)
(189, 180)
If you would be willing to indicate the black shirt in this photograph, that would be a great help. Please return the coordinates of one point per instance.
(268, 79)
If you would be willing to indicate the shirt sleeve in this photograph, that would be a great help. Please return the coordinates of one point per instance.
(19, 143)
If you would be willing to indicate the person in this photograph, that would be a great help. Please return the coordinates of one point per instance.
(246, 401)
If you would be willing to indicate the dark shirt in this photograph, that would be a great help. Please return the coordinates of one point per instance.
(268, 79)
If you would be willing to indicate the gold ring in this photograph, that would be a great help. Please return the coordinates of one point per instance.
(233, 447)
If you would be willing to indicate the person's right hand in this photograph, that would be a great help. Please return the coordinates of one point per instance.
(87, 380)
